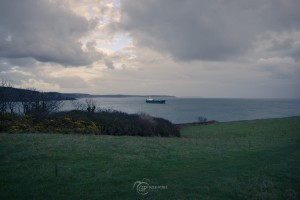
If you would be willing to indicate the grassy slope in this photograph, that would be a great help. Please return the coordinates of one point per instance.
(238, 160)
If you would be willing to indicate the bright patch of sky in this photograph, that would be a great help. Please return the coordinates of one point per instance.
(119, 42)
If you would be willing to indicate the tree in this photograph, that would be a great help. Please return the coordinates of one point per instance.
(38, 104)
(6, 102)
(90, 105)
(27, 102)
(12, 106)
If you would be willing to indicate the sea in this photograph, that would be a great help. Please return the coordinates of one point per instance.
(187, 110)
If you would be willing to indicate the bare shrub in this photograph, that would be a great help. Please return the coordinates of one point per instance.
(38, 104)
(6, 102)
(91, 105)
(202, 119)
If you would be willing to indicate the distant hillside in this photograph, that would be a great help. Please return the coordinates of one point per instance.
(16, 94)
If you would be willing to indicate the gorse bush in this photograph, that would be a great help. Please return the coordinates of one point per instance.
(28, 124)
(104, 122)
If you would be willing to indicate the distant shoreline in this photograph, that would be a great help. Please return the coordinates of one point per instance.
(180, 125)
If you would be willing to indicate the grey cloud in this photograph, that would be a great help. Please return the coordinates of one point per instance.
(295, 53)
(4, 67)
(19, 62)
(282, 45)
(289, 47)
(43, 31)
(15, 77)
(108, 63)
(24, 70)
(206, 30)
(73, 82)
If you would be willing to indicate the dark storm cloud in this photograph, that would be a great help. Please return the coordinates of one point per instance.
(43, 31)
(206, 30)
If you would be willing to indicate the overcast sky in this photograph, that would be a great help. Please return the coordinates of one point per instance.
(215, 48)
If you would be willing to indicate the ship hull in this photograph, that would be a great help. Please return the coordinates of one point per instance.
(156, 101)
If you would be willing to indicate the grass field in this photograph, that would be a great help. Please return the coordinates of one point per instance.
(257, 159)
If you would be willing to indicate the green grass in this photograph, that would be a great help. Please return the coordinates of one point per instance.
(237, 160)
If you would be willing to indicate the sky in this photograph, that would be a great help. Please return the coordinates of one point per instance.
(191, 48)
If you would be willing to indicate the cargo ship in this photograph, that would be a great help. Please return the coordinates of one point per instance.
(158, 101)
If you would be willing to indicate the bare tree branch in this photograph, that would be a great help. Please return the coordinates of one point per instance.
(91, 105)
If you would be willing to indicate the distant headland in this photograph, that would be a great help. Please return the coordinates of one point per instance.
(16, 94)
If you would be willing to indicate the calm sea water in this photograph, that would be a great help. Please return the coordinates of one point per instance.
(184, 110)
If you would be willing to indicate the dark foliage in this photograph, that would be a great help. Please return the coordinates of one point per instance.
(102, 122)
(119, 123)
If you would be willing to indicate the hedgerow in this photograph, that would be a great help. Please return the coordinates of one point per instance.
(102, 122)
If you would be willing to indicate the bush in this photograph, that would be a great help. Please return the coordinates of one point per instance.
(119, 123)
(202, 119)
(105, 122)
(15, 123)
